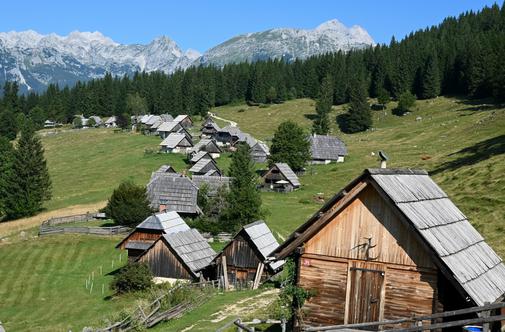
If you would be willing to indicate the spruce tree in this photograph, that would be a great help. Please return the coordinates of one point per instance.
(6, 156)
(28, 181)
(8, 124)
(290, 145)
(244, 200)
(358, 118)
(430, 83)
(321, 124)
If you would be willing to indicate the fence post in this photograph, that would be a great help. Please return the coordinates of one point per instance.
(485, 314)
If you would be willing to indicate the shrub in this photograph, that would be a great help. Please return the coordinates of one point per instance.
(128, 204)
(132, 277)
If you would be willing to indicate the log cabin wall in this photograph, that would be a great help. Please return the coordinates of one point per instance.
(366, 265)
(142, 235)
(164, 263)
(241, 260)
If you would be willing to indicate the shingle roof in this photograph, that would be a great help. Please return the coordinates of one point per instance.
(202, 164)
(180, 117)
(288, 173)
(157, 124)
(206, 144)
(166, 169)
(97, 119)
(260, 148)
(138, 245)
(168, 126)
(145, 118)
(168, 222)
(325, 147)
(232, 130)
(213, 182)
(192, 249)
(178, 192)
(445, 228)
(199, 155)
(166, 117)
(247, 138)
(264, 240)
(153, 119)
(173, 140)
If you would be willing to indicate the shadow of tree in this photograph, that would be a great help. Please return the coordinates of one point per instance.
(311, 117)
(474, 154)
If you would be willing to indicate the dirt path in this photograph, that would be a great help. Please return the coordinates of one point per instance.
(232, 123)
(11, 227)
(245, 306)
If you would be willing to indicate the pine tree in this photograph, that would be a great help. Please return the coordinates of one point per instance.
(430, 84)
(358, 118)
(290, 145)
(28, 182)
(6, 156)
(321, 124)
(405, 102)
(244, 200)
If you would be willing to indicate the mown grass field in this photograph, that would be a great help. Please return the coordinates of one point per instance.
(42, 284)
(461, 143)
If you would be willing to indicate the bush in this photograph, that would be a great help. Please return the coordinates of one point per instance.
(132, 277)
(128, 205)
(405, 102)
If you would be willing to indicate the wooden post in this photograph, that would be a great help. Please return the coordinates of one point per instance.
(257, 277)
(225, 273)
(283, 325)
(486, 314)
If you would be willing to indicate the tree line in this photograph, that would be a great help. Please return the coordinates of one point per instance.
(462, 56)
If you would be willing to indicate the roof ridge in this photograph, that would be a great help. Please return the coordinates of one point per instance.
(396, 171)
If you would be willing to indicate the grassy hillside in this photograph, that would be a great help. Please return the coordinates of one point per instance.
(42, 287)
(461, 143)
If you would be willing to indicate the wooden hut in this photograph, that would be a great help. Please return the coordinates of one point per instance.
(246, 255)
(176, 143)
(391, 245)
(209, 128)
(325, 149)
(184, 120)
(166, 128)
(213, 183)
(280, 177)
(204, 166)
(173, 192)
(178, 255)
(207, 145)
(150, 230)
(260, 152)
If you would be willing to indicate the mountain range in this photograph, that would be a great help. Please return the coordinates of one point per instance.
(35, 60)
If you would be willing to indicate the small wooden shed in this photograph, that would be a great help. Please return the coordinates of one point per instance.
(325, 149)
(260, 152)
(209, 128)
(184, 120)
(391, 245)
(179, 255)
(165, 128)
(280, 177)
(176, 143)
(208, 145)
(204, 166)
(246, 255)
(173, 192)
(150, 230)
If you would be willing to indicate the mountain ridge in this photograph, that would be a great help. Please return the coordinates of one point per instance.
(36, 60)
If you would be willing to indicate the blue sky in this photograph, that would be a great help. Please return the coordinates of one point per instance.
(203, 24)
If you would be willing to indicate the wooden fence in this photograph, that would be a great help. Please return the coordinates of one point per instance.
(485, 317)
(52, 226)
(153, 314)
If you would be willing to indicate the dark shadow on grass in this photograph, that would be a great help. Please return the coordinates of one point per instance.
(474, 154)
(114, 272)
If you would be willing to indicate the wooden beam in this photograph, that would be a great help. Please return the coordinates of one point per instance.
(257, 277)
(225, 272)
(319, 223)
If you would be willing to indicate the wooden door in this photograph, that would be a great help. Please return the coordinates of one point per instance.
(364, 295)
(242, 275)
